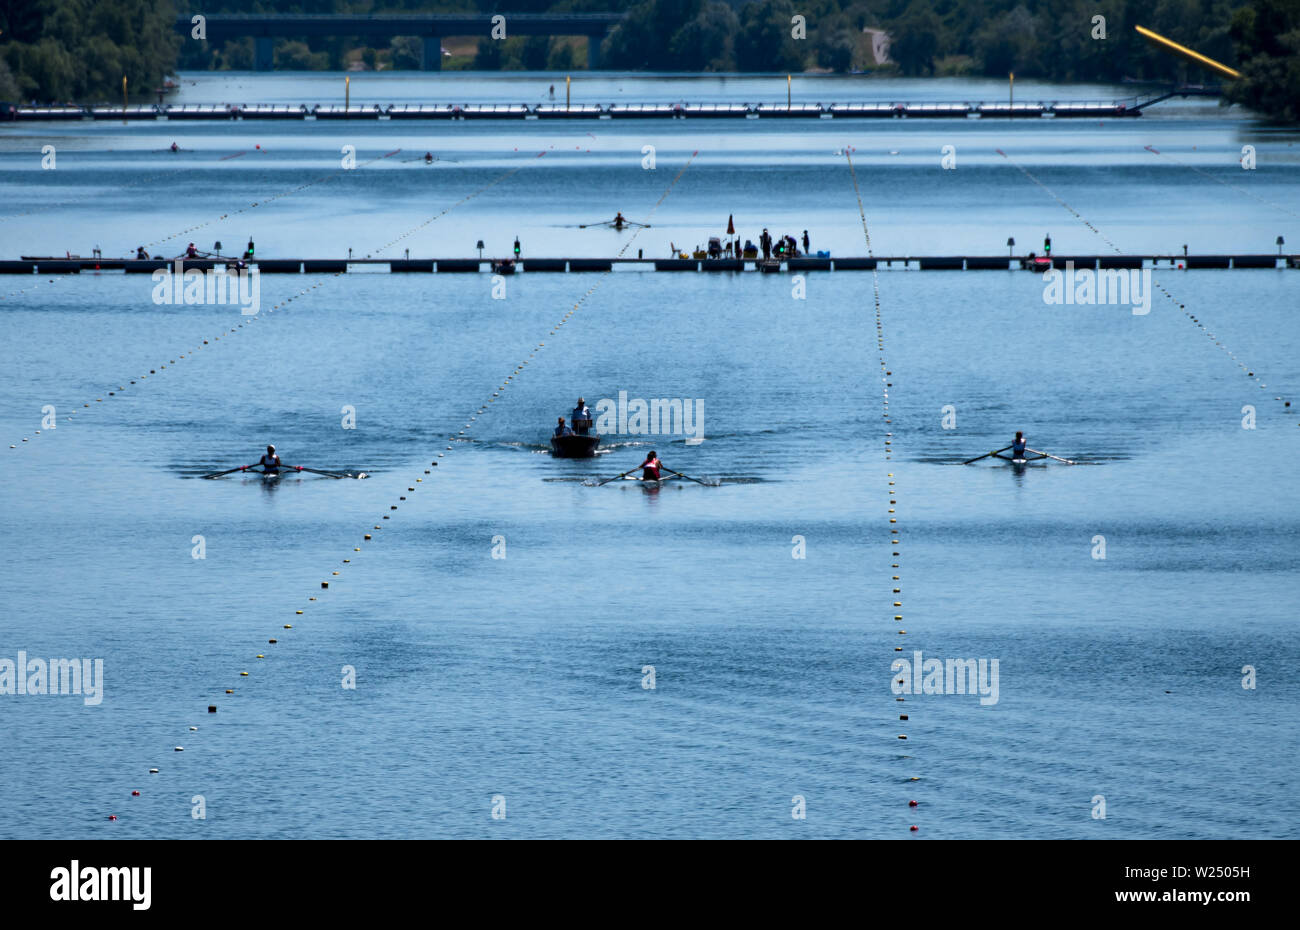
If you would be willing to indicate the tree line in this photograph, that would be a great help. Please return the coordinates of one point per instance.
(80, 49)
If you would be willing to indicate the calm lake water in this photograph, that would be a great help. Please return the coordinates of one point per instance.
(523, 678)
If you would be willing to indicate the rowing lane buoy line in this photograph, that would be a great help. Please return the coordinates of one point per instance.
(284, 303)
(368, 537)
(35, 284)
(266, 200)
(895, 546)
(1241, 190)
(1250, 372)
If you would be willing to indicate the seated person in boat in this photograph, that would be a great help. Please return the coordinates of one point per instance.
(650, 467)
(562, 430)
(581, 418)
(270, 462)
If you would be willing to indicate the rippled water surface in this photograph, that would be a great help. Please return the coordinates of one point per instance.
(524, 677)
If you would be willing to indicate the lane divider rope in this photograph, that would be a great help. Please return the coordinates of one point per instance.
(895, 545)
(411, 486)
(1247, 369)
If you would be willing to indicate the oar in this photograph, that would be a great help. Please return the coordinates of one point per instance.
(316, 471)
(680, 475)
(616, 477)
(1047, 456)
(986, 455)
(228, 471)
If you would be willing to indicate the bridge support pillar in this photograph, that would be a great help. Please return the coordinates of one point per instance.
(263, 53)
(432, 58)
(593, 51)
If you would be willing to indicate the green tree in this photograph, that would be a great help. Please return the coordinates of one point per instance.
(408, 54)
(1009, 42)
(643, 41)
(488, 57)
(21, 20)
(297, 56)
(8, 86)
(914, 38)
(1267, 38)
(534, 52)
(237, 54)
(74, 49)
(706, 43)
(764, 42)
(835, 50)
(562, 58)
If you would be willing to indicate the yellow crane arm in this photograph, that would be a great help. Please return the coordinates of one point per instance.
(1182, 51)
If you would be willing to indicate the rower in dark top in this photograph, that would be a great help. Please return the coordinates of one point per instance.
(140, 253)
(191, 251)
(618, 220)
(562, 430)
(581, 418)
(270, 462)
(175, 147)
(1018, 446)
(650, 467)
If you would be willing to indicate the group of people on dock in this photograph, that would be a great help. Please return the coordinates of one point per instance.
(771, 247)
(783, 247)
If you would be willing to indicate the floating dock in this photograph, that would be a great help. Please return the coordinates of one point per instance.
(73, 264)
(579, 111)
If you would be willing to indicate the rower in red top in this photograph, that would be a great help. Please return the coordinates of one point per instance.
(650, 467)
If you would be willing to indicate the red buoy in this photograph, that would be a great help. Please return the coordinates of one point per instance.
(112, 816)
(914, 828)
(911, 804)
(135, 794)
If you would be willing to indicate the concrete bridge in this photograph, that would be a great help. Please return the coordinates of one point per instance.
(430, 27)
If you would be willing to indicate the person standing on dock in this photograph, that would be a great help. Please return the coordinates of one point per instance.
(650, 467)
(765, 240)
(1018, 446)
(807, 243)
(581, 417)
(140, 253)
(562, 430)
